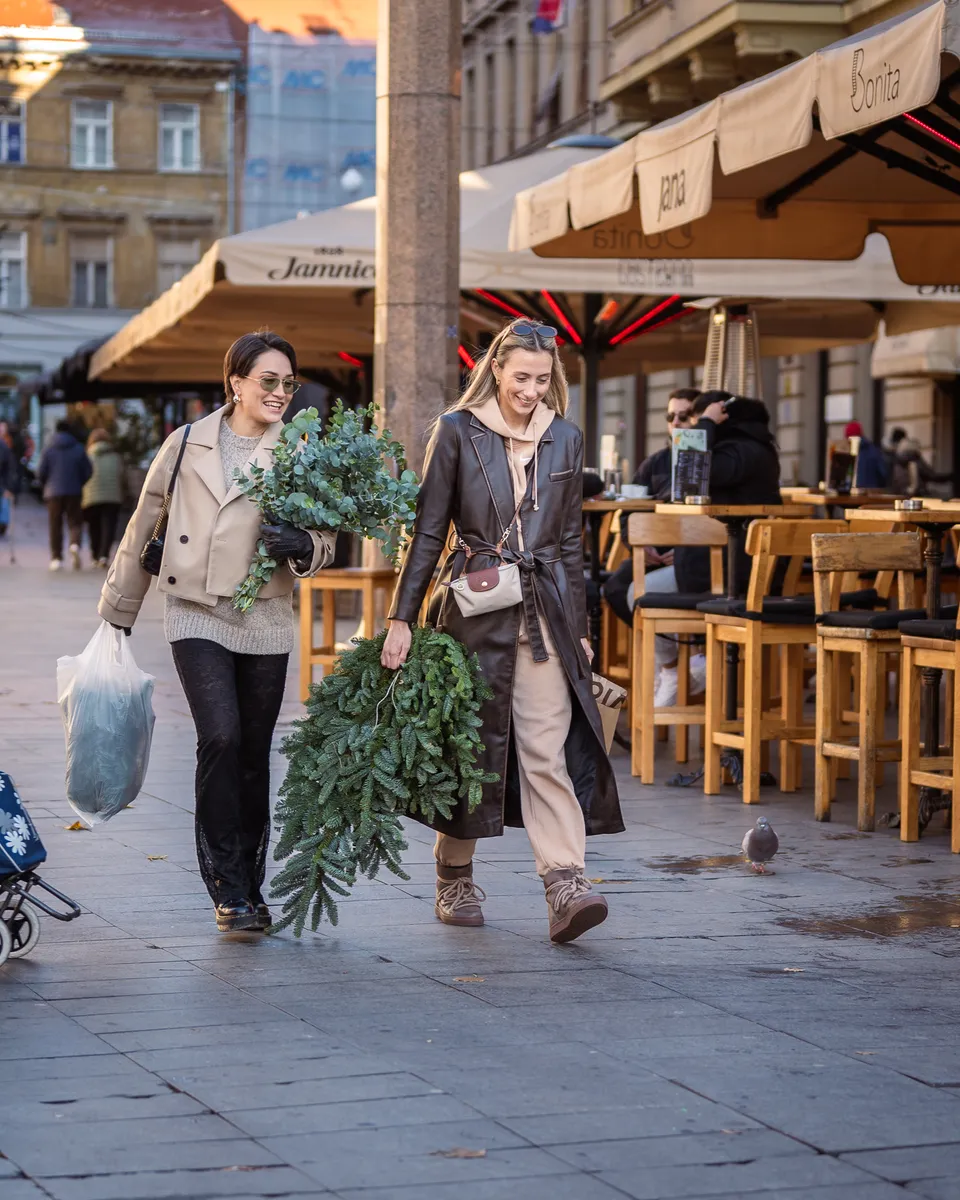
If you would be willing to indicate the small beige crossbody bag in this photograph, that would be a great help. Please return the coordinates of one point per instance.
(493, 588)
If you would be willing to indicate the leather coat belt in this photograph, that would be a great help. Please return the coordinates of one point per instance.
(535, 574)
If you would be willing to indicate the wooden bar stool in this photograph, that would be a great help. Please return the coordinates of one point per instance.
(615, 637)
(870, 638)
(673, 613)
(759, 624)
(368, 581)
(927, 643)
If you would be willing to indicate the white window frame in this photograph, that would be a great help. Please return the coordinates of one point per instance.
(75, 243)
(5, 120)
(178, 128)
(91, 124)
(166, 244)
(7, 256)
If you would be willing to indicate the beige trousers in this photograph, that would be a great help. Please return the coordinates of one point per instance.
(541, 721)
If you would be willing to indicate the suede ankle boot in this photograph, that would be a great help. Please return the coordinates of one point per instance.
(458, 897)
(572, 904)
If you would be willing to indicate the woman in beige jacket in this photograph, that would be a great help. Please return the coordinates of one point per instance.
(232, 665)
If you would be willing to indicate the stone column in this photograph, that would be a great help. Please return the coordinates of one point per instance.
(418, 216)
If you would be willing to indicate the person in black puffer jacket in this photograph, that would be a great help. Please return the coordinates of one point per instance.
(744, 469)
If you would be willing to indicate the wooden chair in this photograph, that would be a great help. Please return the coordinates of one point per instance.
(370, 582)
(615, 637)
(928, 643)
(756, 625)
(666, 613)
(870, 638)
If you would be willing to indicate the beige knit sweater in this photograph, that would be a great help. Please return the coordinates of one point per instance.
(268, 627)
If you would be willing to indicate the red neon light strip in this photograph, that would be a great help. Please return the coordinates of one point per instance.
(558, 313)
(348, 358)
(647, 316)
(684, 312)
(465, 358)
(514, 312)
(929, 129)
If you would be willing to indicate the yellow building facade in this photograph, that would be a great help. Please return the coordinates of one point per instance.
(117, 171)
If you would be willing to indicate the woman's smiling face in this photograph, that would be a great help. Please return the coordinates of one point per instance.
(261, 395)
(522, 382)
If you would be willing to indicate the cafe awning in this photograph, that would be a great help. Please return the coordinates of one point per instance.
(862, 137)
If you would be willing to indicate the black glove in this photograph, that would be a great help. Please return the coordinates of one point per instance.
(286, 541)
(127, 629)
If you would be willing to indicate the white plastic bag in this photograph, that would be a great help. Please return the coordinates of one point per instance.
(106, 705)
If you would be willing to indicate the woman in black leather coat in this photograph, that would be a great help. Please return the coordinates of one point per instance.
(505, 447)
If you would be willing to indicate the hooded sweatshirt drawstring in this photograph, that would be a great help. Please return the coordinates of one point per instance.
(516, 444)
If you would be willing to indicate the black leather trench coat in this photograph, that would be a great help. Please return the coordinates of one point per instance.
(466, 479)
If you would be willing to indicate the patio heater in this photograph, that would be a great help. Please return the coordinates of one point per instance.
(732, 362)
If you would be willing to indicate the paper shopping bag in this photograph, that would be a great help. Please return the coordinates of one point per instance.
(610, 698)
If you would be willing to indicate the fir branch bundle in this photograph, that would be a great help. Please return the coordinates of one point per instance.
(340, 481)
(374, 745)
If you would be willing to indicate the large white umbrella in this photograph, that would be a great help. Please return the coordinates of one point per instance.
(312, 280)
(861, 137)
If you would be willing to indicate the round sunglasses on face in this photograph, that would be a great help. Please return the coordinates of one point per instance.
(269, 383)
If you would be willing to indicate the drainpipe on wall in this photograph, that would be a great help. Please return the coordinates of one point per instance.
(229, 86)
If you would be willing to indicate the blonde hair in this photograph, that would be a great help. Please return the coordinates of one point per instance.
(483, 385)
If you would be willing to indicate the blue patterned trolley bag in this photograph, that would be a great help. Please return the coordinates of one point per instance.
(21, 852)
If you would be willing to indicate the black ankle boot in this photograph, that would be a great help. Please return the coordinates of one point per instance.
(235, 915)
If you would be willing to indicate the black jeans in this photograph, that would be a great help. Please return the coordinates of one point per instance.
(235, 701)
(102, 526)
(58, 508)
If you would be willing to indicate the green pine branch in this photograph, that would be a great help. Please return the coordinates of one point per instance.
(375, 745)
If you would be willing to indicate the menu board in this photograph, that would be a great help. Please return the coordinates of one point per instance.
(841, 468)
(690, 463)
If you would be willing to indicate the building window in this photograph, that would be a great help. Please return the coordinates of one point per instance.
(93, 133)
(179, 137)
(91, 266)
(13, 260)
(175, 257)
(11, 131)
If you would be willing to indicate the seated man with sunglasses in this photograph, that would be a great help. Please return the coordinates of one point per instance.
(655, 474)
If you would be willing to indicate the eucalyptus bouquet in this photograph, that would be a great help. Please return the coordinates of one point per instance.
(340, 481)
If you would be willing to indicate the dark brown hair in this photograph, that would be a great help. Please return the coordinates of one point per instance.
(690, 394)
(243, 354)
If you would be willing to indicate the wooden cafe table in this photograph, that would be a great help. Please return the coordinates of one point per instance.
(594, 511)
(736, 518)
(935, 521)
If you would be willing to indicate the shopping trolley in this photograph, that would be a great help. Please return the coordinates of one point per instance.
(21, 852)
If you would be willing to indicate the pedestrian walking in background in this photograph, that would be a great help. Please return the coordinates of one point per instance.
(102, 495)
(64, 469)
(8, 474)
(871, 460)
(232, 665)
(505, 459)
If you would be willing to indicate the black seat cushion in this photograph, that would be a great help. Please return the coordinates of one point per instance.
(777, 610)
(788, 610)
(869, 620)
(924, 628)
(689, 600)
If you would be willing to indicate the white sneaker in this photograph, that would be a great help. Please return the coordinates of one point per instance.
(665, 692)
(75, 557)
(55, 564)
(698, 674)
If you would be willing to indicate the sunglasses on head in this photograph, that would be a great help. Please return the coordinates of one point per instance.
(526, 328)
(269, 383)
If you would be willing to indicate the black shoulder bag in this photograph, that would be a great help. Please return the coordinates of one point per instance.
(151, 556)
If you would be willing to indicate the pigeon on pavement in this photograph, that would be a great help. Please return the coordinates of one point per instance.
(760, 844)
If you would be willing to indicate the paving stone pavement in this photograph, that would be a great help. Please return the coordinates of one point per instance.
(722, 1035)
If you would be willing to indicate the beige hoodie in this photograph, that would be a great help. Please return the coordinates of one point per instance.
(520, 447)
